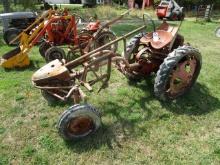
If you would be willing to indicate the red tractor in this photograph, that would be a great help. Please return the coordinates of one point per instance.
(57, 28)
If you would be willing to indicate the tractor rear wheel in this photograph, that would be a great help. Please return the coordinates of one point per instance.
(78, 122)
(44, 46)
(178, 73)
(179, 41)
(9, 35)
(132, 49)
(54, 53)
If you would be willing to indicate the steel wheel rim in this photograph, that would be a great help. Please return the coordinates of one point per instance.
(182, 76)
(80, 125)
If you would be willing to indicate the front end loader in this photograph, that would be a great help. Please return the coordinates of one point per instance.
(18, 57)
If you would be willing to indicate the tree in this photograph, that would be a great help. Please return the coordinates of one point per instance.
(6, 6)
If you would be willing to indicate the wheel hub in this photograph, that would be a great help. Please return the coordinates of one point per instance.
(182, 76)
(80, 125)
(56, 55)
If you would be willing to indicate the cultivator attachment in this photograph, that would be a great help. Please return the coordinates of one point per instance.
(15, 58)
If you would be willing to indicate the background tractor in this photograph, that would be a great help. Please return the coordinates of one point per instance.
(170, 9)
(161, 51)
(58, 28)
(14, 23)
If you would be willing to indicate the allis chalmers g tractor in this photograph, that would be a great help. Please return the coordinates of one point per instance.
(58, 29)
(161, 51)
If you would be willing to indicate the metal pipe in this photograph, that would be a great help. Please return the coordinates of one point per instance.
(76, 61)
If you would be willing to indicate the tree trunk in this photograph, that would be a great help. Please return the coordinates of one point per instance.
(6, 5)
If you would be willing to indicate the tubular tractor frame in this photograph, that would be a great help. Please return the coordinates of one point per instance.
(161, 51)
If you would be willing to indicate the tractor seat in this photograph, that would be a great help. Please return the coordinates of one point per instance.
(164, 38)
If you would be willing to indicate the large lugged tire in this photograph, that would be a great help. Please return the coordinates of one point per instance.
(179, 41)
(131, 50)
(132, 46)
(178, 73)
(78, 122)
(9, 35)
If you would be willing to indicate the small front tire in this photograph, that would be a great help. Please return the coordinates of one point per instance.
(78, 122)
(54, 53)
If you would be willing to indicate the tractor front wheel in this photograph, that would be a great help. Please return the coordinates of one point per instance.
(178, 73)
(54, 53)
(78, 122)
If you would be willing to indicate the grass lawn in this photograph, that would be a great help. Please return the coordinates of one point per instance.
(137, 128)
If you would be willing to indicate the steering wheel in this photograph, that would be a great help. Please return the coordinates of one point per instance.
(147, 18)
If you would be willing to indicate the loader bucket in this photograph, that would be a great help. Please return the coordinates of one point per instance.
(14, 58)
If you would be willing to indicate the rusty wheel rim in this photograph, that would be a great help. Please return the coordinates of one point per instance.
(182, 76)
(80, 125)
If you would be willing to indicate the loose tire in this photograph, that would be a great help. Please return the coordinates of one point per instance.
(44, 46)
(178, 73)
(54, 53)
(217, 32)
(9, 35)
(78, 122)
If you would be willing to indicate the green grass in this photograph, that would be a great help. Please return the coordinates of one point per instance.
(137, 128)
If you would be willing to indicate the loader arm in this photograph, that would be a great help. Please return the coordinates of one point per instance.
(18, 57)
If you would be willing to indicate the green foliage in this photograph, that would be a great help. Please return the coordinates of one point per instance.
(28, 4)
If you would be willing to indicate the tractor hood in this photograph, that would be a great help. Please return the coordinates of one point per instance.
(55, 70)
